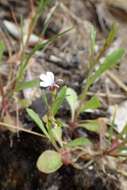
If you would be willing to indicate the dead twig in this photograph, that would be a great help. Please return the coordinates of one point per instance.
(117, 80)
(21, 129)
(102, 94)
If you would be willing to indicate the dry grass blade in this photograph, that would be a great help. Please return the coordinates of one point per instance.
(117, 80)
(101, 94)
(21, 129)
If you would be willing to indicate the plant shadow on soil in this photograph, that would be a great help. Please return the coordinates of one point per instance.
(18, 168)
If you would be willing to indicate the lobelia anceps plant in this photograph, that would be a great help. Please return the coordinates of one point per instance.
(68, 147)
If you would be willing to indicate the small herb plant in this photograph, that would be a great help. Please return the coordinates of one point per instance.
(16, 83)
(68, 149)
(67, 146)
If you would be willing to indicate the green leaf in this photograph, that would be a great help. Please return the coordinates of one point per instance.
(34, 116)
(2, 48)
(24, 103)
(93, 103)
(91, 125)
(123, 150)
(27, 84)
(108, 42)
(38, 46)
(111, 36)
(41, 5)
(108, 63)
(93, 41)
(81, 141)
(49, 161)
(72, 99)
(57, 133)
(59, 100)
(124, 131)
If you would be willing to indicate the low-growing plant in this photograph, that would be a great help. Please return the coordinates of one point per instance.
(16, 83)
(68, 146)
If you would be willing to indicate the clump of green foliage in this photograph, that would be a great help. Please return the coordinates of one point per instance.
(68, 150)
(16, 82)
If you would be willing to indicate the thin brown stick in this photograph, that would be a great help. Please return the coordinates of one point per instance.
(102, 94)
(21, 129)
(117, 80)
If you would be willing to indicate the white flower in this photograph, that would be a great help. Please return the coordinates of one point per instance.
(47, 80)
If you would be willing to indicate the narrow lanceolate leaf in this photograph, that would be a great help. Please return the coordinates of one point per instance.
(93, 41)
(2, 48)
(57, 134)
(34, 116)
(111, 36)
(27, 84)
(82, 141)
(93, 103)
(108, 63)
(49, 161)
(124, 131)
(72, 100)
(59, 100)
(108, 42)
(91, 125)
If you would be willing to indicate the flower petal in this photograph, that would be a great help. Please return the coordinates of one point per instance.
(47, 79)
(43, 77)
(50, 76)
(44, 84)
